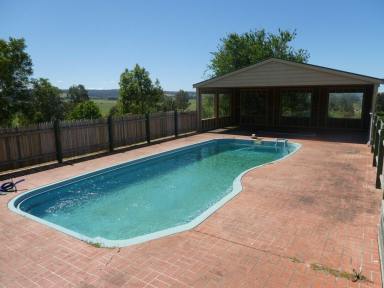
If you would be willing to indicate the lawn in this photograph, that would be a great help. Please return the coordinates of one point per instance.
(192, 105)
(105, 105)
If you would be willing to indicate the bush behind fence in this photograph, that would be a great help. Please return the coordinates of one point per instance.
(44, 142)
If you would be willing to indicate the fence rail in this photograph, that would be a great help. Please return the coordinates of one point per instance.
(214, 123)
(45, 142)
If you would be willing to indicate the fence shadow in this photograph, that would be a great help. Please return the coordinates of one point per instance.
(42, 143)
(6, 175)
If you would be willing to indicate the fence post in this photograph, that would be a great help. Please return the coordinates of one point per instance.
(18, 143)
(176, 124)
(110, 133)
(59, 152)
(379, 161)
(147, 128)
(376, 143)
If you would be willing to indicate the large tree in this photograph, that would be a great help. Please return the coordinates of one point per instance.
(77, 94)
(182, 100)
(15, 70)
(47, 102)
(236, 51)
(138, 94)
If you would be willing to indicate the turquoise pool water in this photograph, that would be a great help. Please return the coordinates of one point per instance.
(150, 195)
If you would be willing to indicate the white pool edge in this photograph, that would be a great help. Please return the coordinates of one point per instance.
(236, 189)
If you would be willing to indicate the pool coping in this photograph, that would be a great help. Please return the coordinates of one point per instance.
(107, 243)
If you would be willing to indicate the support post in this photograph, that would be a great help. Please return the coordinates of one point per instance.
(370, 128)
(176, 124)
(375, 91)
(110, 133)
(379, 161)
(373, 136)
(372, 132)
(59, 152)
(198, 111)
(378, 127)
(147, 128)
(216, 110)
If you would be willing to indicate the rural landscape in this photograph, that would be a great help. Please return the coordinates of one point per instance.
(194, 144)
(107, 99)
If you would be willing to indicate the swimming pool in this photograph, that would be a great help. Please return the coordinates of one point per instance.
(149, 197)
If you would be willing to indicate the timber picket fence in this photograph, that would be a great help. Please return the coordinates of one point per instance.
(45, 142)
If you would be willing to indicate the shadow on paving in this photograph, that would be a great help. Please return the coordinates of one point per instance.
(357, 137)
(339, 136)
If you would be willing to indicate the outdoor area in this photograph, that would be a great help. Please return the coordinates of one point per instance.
(206, 144)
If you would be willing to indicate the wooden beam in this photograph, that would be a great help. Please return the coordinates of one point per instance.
(198, 110)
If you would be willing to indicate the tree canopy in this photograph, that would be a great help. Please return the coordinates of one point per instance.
(167, 103)
(138, 94)
(182, 100)
(24, 100)
(380, 103)
(15, 70)
(236, 51)
(77, 94)
(85, 110)
(47, 103)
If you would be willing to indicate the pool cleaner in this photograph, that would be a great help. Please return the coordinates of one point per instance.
(257, 140)
(10, 186)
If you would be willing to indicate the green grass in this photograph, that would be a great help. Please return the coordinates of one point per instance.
(104, 105)
(192, 105)
(344, 114)
(354, 276)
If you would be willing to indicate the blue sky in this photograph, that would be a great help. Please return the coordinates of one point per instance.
(92, 42)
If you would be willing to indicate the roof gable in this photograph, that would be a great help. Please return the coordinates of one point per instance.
(277, 72)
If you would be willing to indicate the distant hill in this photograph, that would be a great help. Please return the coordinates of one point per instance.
(192, 94)
(114, 93)
(103, 94)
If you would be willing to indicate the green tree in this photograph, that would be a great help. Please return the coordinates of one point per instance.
(46, 100)
(138, 94)
(236, 51)
(77, 94)
(85, 110)
(182, 100)
(15, 70)
(168, 103)
(380, 103)
(115, 110)
(207, 106)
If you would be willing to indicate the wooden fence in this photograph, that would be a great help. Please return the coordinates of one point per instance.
(44, 142)
(214, 123)
(377, 148)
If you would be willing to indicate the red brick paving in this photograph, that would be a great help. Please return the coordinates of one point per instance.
(318, 206)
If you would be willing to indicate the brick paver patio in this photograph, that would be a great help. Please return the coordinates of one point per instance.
(293, 223)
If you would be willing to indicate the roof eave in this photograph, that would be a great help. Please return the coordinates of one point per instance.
(351, 75)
